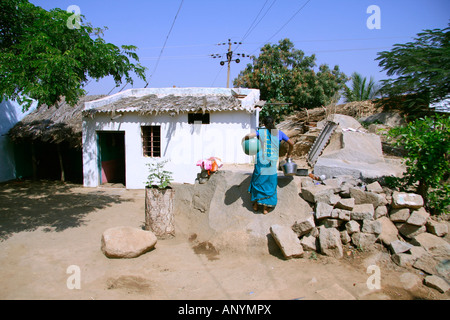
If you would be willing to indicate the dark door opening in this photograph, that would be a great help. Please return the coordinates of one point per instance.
(111, 147)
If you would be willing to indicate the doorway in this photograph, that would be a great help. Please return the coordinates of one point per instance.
(111, 151)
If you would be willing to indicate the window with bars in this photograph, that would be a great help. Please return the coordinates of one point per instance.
(151, 141)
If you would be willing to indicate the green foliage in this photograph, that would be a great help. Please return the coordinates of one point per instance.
(158, 176)
(359, 90)
(42, 58)
(285, 74)
(421, 68)
(427, 144)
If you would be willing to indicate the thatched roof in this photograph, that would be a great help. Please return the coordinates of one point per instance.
(155, 104)
(53, 124)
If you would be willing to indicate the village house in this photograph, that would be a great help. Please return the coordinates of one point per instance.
(124, 132)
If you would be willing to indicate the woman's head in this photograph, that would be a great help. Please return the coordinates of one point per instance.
(269, 123)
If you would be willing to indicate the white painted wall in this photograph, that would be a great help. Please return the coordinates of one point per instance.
(182, 144)
(10, 113)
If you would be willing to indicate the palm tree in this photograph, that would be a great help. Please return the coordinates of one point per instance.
(360, 91)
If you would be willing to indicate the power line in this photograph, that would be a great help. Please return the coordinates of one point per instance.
(294, 41)
(285, 24)
(253, 28)
(293, 16)
(209, 56)
(165, 42)
(217, 75)
(251, 25)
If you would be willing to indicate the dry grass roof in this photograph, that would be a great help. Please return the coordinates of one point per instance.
(154, 104)
(53, 124)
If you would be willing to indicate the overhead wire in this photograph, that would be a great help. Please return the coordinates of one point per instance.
(252, 26)
(250, 29)
(293, 16)
(285, 24)
(165, 42)
(254, 20)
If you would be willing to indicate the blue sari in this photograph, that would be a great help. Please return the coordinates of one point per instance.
(263, 185)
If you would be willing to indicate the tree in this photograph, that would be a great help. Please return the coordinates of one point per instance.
(41, 58)
(427, 144)
(359, 90)
(284, 74)
(422, 68)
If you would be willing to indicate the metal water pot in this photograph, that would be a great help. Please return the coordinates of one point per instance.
(289, 168)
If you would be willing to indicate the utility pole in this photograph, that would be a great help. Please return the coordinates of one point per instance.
(229, 58)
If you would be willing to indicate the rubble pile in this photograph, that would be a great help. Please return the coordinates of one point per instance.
(348, 212)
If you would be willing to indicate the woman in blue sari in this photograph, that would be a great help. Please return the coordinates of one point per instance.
(263, 185)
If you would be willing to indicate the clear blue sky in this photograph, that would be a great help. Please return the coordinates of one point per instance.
(335, 31)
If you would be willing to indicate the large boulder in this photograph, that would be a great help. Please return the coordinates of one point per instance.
(352, 151)
(127, 242)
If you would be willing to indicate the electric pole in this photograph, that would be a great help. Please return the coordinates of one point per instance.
(229, 58)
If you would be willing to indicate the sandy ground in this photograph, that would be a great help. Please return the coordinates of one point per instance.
(46, 227)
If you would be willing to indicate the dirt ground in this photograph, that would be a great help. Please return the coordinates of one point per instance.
(46, 227)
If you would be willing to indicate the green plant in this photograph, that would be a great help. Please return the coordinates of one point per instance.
(313, 256)
(418, 69)
(158, 176)
(360, 90)
(427, 145)
(43, 58)
(289, 80)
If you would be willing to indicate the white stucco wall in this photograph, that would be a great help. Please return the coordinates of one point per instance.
(182, 144)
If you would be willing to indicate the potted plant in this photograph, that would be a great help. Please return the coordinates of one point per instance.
(159, 197)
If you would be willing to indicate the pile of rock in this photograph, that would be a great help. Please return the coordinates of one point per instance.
(349, 212)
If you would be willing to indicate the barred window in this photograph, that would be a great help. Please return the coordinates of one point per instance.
(151, 141)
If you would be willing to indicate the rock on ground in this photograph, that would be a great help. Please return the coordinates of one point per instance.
(363, 240)
(287, 240)
(418, 217)
(304, 226)
(399, 246)
(437, 283)
(362, 211)
(389, 231)
(352, 227)
(330, 242)
(127, 242)
(406, 200)
(437, 228)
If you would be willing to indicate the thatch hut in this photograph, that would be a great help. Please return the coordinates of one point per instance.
(48, 142)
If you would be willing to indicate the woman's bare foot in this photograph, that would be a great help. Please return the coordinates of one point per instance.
(255, 206)
(265, 210)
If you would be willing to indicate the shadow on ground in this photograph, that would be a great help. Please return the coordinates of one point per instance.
(240, 191)
(27, 205)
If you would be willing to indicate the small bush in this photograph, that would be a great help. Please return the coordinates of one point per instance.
(427, 145)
